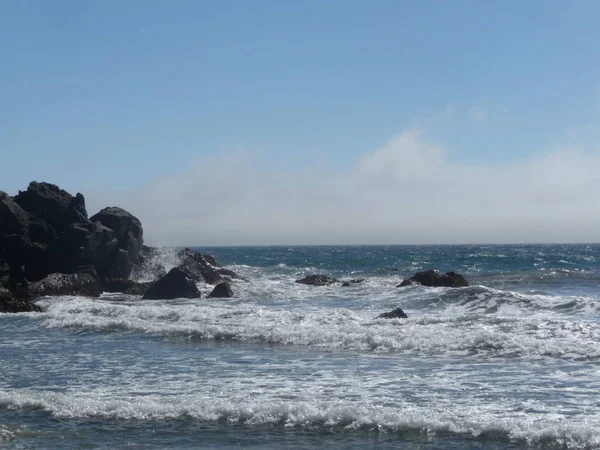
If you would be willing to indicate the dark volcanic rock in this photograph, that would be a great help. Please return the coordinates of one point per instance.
(16, 244)
(45, 230)
(317, 280)
(84, 284)
(352, 282)
(11, 304)
(395, 314)
(148, 266)
(199, 267)
(83, 243)
(125, 286)
(52, 205)
(434, 278)
(175, 284)
(221, 290)
(13, 218)
(128, 231)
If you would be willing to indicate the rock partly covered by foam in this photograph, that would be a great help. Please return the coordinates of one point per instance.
(221, 290)
(175, 284)
(349, 283)
(318, 280)
(10, 303)
(395, 314)
(434, 278)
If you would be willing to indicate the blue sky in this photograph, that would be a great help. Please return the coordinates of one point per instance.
(116, 99)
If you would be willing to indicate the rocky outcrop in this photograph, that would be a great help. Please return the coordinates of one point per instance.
(84, 283)
(221, 290)
(434, 278)
(52, 205)
(128, 232)
(46, 230)
(175, 284)
(318, 280)
(9, 303)
(395, 314)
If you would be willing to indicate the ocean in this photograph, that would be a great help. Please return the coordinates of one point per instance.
(512, 361)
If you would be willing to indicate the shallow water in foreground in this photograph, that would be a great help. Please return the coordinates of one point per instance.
(513, 361)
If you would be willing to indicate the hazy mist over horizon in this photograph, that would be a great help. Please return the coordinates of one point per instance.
(316, 123)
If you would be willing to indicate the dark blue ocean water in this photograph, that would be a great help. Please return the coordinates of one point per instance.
(512, 361)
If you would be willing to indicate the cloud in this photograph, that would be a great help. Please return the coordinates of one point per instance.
(407, 191)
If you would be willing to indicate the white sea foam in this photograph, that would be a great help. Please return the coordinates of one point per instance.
(506, 420)
(334, 328)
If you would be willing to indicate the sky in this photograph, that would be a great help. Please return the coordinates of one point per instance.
(310, 122)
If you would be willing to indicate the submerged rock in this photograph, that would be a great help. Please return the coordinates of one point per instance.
(175, 284)
(317, 280)
(434, 278)
(395, 314)
(9, 303)
(352, 282)
(221, 290)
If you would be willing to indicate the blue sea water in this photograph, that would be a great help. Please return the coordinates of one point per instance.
(512, 361)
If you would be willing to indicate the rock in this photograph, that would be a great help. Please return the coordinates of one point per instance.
(352, 282)
(148, 266)
(83, 243)
(15, 223)
(125, 286)
(221, 290)
(13, 218)
(84, 284)
(230, 273)
(199, 267)
(175, 284)
(52, 205)
(395, 314)
(128, 231)
(11, 304)
(434, 278)
(317, 280)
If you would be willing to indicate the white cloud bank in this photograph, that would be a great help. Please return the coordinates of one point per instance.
(408, 191)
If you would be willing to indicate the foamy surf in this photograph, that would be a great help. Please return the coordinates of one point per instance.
(505, 421)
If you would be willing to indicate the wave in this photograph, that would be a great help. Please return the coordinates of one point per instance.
(332, 328)
(489, 300)
(505, 421)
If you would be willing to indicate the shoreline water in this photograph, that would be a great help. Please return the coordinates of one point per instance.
(511, 361)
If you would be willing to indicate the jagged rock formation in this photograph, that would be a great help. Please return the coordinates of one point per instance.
(46, 236)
